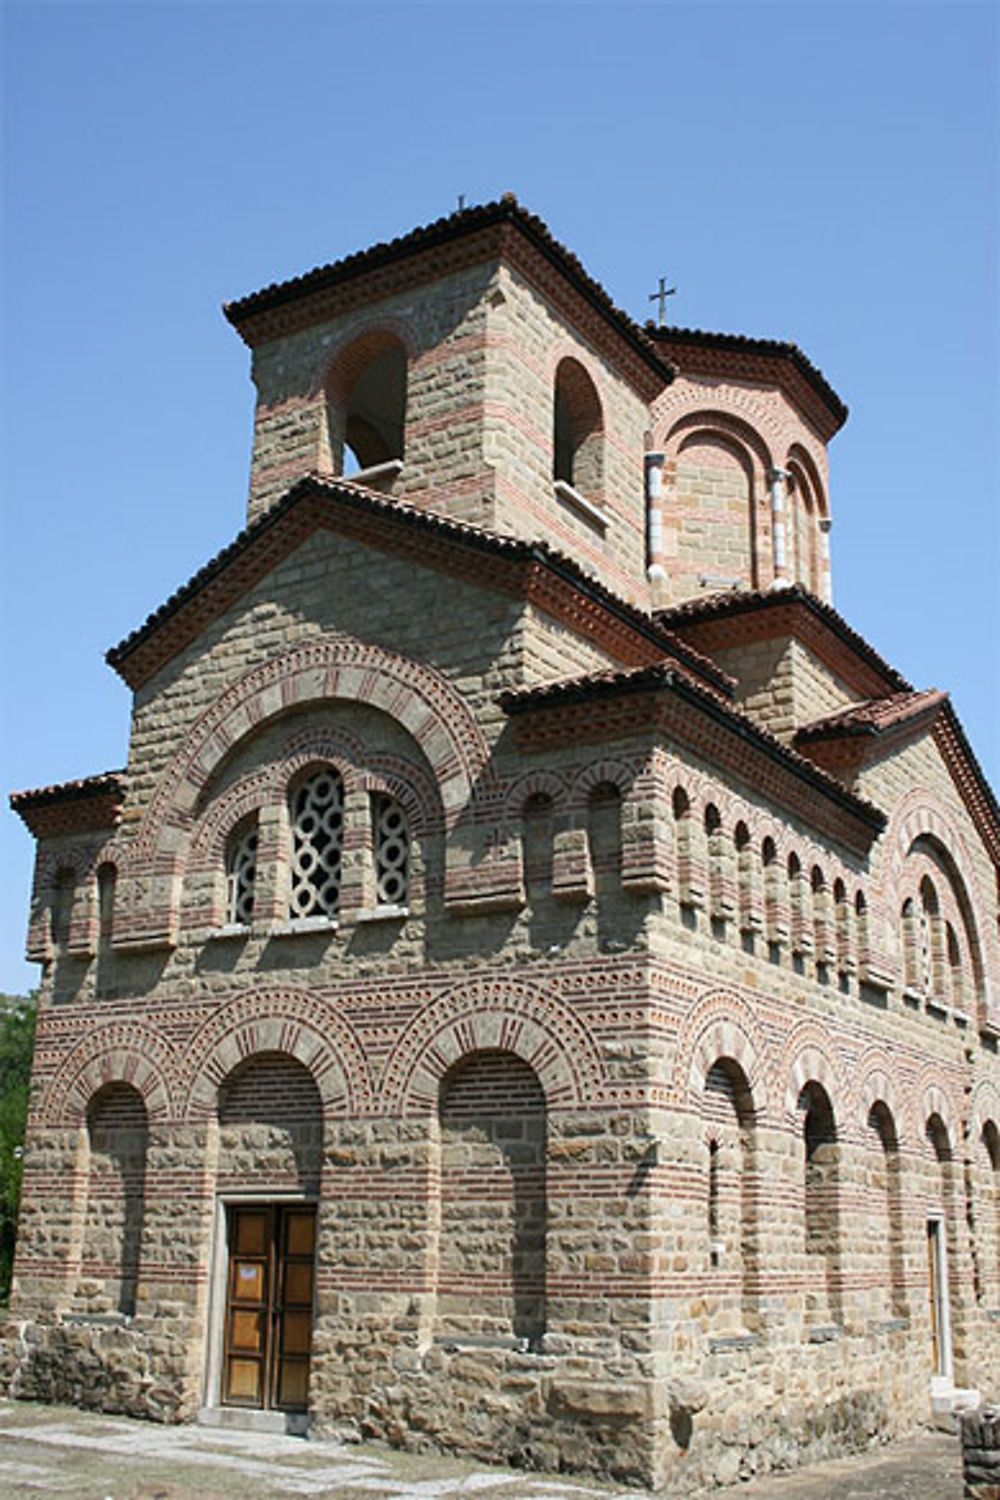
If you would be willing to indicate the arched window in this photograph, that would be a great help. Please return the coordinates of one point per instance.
(801, 929)
(931, 939)
(107, 881)
(537, 845)
(715, 848)
(317, 823)
(241, 872)
(805, 530)
(604, 838)
(888, 1208)
(955, 968)
(747, 880)
(775, 897)
(366, 406)
(690, 871)
(391, 851)
(990, 1212)
(861, 930)
(732, 1206)
(61, 908)
(494, 1214)
(117, 1134)
(842, 929)
(909, 925)
(578, 431)
(821, 1201)
(822, 944)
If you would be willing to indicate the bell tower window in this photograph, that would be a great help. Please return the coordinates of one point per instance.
(578, 432)
(366, 409)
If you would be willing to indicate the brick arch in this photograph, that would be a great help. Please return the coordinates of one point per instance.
(721, 1025)
(807, 1057)
(922, 815)
(984, 1106)
(933, 1096)
(247, 795)
(419, 698)
(801, 458)
(289, 1021)
(117, 1053)
(494, 1014)
(533, 784)
(877, 1084)
(357, 348)
(617, 773)
(733, 429)
(565, 350)
(361, 770)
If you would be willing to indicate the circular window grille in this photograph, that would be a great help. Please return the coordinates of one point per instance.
(317, 841)
(241, 870)
(392, 853)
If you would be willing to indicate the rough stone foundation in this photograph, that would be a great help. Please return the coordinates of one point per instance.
(981, 1453)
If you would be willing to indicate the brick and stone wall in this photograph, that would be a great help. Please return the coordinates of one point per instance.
(625, 1123)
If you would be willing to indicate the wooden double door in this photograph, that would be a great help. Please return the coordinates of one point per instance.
(269, 1305)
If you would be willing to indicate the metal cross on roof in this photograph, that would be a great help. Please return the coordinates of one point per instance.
(661, 297)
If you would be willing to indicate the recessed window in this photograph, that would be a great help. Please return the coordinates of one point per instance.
(391, 841)
(241, 872)
(317, 817)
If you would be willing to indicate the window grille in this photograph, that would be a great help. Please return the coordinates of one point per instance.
(392, 852)
(317, 842)
(241, 870)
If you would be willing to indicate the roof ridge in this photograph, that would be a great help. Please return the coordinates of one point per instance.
(687, 656)
(506, 208)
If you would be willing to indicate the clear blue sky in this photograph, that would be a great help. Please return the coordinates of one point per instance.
(824, 173)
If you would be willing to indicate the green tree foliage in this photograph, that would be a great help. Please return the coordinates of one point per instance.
(17, 1038)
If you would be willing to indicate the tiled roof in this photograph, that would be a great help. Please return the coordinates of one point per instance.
(644, 679)
(679, 339)
(874, 716)
(71, 807)
(105, 784)
(733, 602)
(453, 227)
(197, 593)
(853, 734)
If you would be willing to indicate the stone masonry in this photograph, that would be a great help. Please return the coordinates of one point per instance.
(534, 989)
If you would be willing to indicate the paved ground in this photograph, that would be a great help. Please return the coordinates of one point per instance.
(54, 1451)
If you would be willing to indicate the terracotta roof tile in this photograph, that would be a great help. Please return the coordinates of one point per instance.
(69, 791)
(733, 602)
(873, 716)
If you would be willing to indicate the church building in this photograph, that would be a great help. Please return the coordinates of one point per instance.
(534, 989)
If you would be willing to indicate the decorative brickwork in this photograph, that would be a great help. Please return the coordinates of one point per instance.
(476, 1015)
